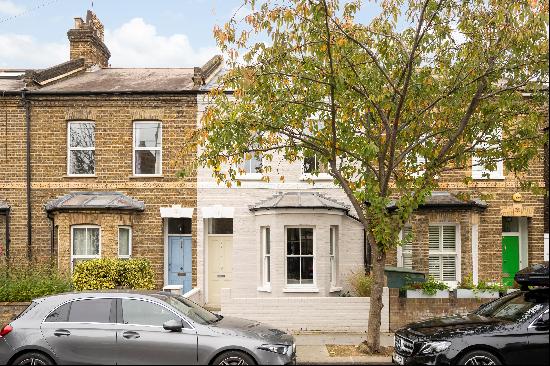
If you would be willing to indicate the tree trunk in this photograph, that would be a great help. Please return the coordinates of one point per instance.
(376, 305)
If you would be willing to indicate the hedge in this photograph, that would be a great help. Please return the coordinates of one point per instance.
(24, 283)
(113, 273)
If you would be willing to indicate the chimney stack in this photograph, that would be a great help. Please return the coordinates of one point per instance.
(86, 41)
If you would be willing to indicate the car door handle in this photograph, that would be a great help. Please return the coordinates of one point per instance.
(130, 335)
(61, 333)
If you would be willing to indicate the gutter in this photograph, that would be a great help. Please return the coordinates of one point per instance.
(52, 235)
(27, 106)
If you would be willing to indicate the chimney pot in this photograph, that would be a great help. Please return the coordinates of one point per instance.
(78, 22)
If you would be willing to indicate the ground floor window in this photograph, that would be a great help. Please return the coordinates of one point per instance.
(333, 252)
(124, 242)
(86, 243)
(266, 255)
(443, 252)
(300, 261)
(405, 259)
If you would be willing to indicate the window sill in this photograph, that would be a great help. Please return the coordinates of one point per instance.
(78, 176)
(301, 289)
(250, 177)
(335, 289)
(500, 177)
(148, 176)
(266, 288)
(316, 178)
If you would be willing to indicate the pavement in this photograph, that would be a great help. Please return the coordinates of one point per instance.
(311, 348)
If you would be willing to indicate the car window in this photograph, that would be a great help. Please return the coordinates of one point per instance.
(91, 311)
(145, 313)
(190, 309)
(515, 308)
(61, 314)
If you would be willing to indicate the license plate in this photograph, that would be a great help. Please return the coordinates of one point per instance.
(398, 359)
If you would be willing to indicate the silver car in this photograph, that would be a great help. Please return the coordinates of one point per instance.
(137, 328)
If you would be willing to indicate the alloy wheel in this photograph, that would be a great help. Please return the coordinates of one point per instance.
(32, 361)
(233, 361)
(479, 360)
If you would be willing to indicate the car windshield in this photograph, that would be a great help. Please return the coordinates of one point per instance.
(190, 309)
(515, 307)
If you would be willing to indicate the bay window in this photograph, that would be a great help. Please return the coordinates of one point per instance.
(124, 242)
(443, 253)
(86, 243)
(266, 257)
(300, 259)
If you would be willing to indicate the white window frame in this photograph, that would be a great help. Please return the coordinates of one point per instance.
(70, 148)
(250, 175)
(440, 253)
(478, 170)
(73, 256)
(400, 251)
(265, 258)
(135, 148)
(129, 228)
(333, 257)
(311, 176)
(312, 287)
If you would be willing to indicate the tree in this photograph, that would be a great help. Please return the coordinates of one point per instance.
(387, 106)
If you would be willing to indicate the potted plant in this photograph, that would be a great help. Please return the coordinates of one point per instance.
(483, 290)
(431, 289)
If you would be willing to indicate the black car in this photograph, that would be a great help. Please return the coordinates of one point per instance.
(511, 330)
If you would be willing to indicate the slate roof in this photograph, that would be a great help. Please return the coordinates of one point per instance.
(111, 80)
(79, 201)
(443, 199)
(299, 200)
(4, 206)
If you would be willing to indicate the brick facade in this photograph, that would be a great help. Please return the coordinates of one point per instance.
(9, 310)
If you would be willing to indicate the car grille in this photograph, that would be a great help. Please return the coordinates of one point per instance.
(403, 346)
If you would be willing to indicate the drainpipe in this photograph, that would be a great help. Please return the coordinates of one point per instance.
(8, 239)
(27, 106)
(52, 235)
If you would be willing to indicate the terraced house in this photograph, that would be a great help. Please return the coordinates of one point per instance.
(89, 156)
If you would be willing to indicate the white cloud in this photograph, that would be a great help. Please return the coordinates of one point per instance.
(137, 44)
(134, 44)
(9, 8)
(24, 51)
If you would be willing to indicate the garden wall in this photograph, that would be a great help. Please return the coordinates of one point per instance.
(405, 310)
(9, 310)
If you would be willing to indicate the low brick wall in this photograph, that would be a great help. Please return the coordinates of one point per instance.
(404, 310)
(9, 310)
(328, 314)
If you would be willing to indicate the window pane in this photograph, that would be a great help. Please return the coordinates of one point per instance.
(309, 165)
(61, 314)
(293, 270)
(332, 238)
(267, 241)
(148, 134)
(510, 224)
(307, 270)
(79, 241)
(179, 226)
(93, 241)
(147, 162)
(82, 162)
(433, 238)
(434, 267)
(91, 311)
(82, 134)
(145, 313)
(293, 241)
(123, 241)
(220, 226)
(307, 241)
(268, 269)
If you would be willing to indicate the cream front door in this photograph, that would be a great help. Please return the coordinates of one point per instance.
(219, 267)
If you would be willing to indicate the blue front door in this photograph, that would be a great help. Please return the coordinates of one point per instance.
(179, 262)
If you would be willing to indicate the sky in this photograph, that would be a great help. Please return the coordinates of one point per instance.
(139, 33)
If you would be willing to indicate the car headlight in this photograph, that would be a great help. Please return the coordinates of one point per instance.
(276, 348)
(430, 348)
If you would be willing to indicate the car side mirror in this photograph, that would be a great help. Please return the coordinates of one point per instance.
(173, 325)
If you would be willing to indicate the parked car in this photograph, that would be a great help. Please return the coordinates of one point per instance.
(511, 330)
(137, 328)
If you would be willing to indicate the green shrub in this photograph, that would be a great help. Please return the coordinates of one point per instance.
(112, 273)
(24, 283)
(430, 287)
(360, 283)
(467, 283)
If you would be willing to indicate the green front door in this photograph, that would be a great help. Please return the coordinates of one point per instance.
(510, 259)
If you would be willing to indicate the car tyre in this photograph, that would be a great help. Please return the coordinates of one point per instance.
(33, 358)
(479, 357)
(233, 358)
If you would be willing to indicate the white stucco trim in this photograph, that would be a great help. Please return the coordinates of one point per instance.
(217, 212)
(475, 255)
(176, 211)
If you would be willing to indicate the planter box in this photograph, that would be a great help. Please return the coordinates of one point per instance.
(419, 294)
(462, 293)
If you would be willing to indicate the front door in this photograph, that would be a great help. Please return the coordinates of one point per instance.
(180, 262)
(219, 267)
(510, 258)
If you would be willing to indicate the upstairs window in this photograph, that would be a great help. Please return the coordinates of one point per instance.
(479, 170)
(251, 165)
(147, 148)
(313, 166)
(443, 252)
(81, 146)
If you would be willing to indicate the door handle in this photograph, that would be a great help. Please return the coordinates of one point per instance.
(61, 333)
(130, 335)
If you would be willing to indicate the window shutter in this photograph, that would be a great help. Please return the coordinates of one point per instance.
(407, 248)
(434, 234)
(449, 238)
(434, 267)
(449, 268)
